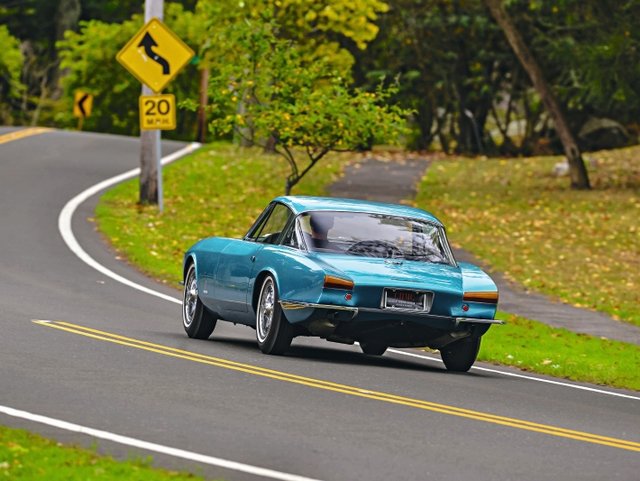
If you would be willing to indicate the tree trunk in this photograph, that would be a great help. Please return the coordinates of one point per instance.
(577, 169)
(244, 135)
(202, 109)
(66, 18)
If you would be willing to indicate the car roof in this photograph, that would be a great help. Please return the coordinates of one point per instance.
(300, 203)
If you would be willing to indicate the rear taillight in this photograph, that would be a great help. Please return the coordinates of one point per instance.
(333, 282)
(488, 297)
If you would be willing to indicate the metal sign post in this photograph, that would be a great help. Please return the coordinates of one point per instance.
(154, 55)
(150, 148)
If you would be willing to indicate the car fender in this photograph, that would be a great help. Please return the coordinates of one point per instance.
(297, 276)
(474, 279)
(189, 258)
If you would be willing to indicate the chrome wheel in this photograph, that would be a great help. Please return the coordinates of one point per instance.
(197, 320)
(190, 300)
(273, 331)
(266, 305)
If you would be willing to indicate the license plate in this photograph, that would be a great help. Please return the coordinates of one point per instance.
(407, 300)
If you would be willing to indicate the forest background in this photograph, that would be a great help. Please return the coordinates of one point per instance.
(447, 60)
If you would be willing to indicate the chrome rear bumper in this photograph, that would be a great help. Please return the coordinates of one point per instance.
(294, 305)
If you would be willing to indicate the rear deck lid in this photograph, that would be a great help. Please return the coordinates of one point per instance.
(399, 273)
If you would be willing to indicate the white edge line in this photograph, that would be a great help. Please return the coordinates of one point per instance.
(157, 448)
(522, 376)
(66, 215)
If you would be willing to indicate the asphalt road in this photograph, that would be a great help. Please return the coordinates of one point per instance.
(324, 411)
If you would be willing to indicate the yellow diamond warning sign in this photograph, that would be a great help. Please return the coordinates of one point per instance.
(158, 112)
(155, 55)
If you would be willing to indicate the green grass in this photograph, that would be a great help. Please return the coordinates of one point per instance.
(218, 191)
(537, 347)
(582, 247)
(28, 457)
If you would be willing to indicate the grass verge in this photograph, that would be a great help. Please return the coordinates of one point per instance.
(579, 246)
(537, 347)
(26, 456)
(218, 191)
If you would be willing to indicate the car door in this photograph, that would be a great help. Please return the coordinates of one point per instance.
(237, 261)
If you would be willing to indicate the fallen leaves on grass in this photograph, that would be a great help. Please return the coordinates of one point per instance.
(582, 247)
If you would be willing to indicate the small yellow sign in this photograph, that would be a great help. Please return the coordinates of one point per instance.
(82, 104)
(158, 112)
(155, 55)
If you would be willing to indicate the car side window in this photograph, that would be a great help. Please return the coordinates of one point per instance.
(274, 225)
(259, 223)
(290, 238)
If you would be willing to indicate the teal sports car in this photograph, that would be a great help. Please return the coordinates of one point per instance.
(345, 270)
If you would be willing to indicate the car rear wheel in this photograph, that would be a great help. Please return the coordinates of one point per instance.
(198, 322)
(460, 355)
(373, 348)
(273, 331)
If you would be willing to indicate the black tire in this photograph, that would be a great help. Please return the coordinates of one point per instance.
(197, 320)
(373, 348)
(459, 356)
(273, 331)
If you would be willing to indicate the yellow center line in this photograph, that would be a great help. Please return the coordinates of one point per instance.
(21, 134)
(341, 388)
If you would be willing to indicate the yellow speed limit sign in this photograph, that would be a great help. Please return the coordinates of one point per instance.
(158, 112)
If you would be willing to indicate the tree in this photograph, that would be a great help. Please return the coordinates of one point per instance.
(320, 28)
(452, 57)
(577, 169)
(38, 25)
(11, 87)
(452, 62)
(89, 57)
(589, 50)
(306, 109)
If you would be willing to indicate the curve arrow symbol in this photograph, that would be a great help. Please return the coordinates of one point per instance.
(81, 105)
(148, 43)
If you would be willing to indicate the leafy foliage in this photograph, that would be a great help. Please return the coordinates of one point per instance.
(11, 88)
(266, 91)
(452, 58)
(452, 61)
(322, 29)
(592, 51)
(89, 56)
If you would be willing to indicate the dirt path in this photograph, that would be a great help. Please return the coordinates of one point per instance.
(395, 181)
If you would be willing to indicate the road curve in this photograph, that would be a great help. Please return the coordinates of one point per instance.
(117, 360)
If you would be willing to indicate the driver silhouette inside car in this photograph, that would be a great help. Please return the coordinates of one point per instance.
(320, 225)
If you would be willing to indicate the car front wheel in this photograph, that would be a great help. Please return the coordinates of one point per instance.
(273, 331)
(198, 322)
(460, 355)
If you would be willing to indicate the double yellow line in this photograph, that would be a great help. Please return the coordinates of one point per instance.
(341, 388)
(21, 134)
